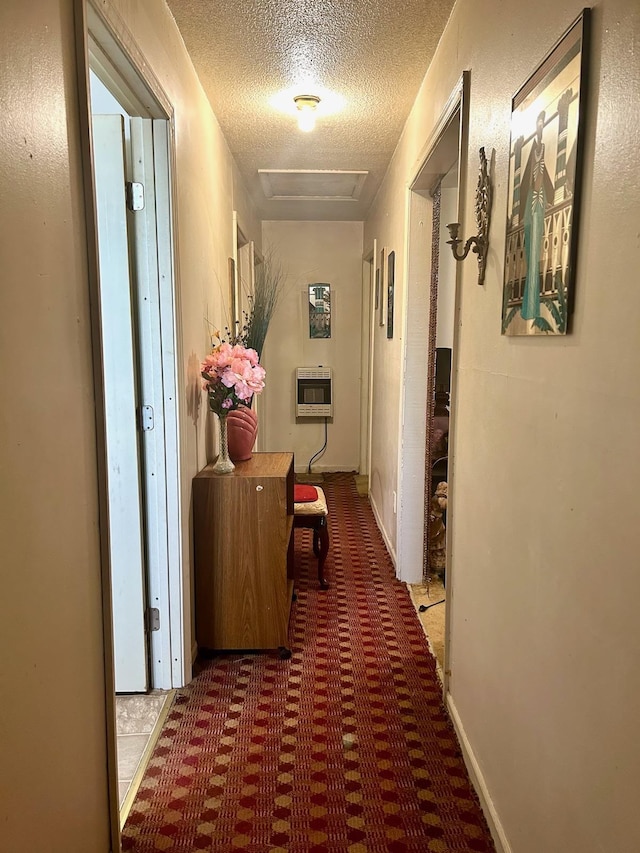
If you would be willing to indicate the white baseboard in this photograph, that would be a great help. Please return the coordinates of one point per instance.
(383, 532)
(478, 782)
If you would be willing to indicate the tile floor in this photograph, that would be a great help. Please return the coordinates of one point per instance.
(138, 721)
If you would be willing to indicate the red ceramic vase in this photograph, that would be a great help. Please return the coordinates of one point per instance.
(242, 428)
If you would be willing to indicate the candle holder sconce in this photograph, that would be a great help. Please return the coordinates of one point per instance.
(479, 244)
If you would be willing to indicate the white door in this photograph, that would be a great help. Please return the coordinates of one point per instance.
(149, 241)
(118, 355)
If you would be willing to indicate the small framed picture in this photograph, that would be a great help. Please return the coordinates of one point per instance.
(320, 310)
(382, 317)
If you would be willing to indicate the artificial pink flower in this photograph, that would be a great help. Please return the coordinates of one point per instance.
(252, 355)
(256, 380)
(242, 391)
(232, 376)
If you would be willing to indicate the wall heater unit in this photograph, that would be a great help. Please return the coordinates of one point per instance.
(314, 392)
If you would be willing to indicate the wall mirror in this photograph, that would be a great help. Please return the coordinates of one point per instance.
(319, 310)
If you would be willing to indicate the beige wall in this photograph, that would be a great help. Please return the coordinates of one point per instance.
(310, 252)
(52, 714)
(52, 717)
(544, 510)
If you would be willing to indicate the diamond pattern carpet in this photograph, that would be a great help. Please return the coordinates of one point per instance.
(344, 747)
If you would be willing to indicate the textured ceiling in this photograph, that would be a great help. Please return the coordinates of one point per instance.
(368, 56)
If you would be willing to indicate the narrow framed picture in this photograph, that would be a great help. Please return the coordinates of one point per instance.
(391, 278)
(382, 317)
(543, 202)
(320, 310)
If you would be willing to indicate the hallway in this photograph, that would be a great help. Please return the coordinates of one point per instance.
(344, 747)
(544, 693)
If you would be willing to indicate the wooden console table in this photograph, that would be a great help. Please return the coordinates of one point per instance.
(243, 524)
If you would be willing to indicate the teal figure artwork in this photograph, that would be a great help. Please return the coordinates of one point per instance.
(536, 190)
(544, 181)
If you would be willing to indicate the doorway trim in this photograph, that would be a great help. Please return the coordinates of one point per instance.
(369, 266)
(113, 52)
(428, 168)
(102, 39)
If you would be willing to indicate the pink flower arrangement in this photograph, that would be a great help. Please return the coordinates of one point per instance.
(232, 376)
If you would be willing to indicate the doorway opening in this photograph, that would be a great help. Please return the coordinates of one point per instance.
(130, 236)
(370, 273)
(428, 408)
(243, 273)
(131, 173)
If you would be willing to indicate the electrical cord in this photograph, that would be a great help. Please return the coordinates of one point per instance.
(321, 451)
(424, 607)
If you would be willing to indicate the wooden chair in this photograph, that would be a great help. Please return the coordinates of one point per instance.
(312, 515)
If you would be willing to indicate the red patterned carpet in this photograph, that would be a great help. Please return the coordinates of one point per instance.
(344, 747)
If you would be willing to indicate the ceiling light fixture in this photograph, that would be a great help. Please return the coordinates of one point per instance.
(306, 105)
(330, 104)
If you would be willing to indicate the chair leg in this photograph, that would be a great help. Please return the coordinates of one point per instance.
(321, 533)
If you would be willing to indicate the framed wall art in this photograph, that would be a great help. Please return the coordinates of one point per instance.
(382, 317)
(391, 279)
(544, 190)
(320, 310)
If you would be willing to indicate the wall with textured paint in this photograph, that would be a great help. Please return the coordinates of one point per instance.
(544, 521)
(53, 719)
(52, 715)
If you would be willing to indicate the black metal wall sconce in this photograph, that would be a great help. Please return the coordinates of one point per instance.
(480, 242)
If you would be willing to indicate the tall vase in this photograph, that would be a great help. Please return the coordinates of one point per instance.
(242, 428)
(223, 464)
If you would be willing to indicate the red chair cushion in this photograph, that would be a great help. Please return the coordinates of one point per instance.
(304, 494)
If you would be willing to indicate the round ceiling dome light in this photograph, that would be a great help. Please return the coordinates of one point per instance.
(306, 106)
(328, 103)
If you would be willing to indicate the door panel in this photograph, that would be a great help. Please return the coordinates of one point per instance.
(144, 233)
(118, 354)
(172, 590)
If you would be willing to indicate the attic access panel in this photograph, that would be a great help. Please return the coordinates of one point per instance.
(312, 184)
